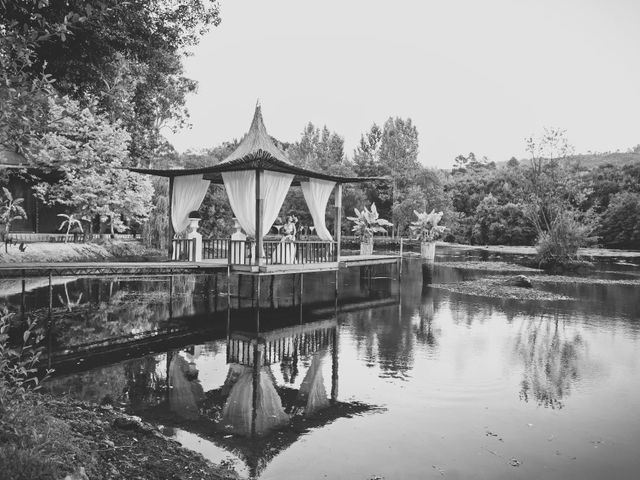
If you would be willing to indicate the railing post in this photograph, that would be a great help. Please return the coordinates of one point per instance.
(338, 218)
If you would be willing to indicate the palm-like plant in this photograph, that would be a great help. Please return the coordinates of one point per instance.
(69, 222)
(10, 210)
(426, 228)
(367, 222)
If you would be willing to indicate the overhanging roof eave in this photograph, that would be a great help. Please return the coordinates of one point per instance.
(263, 161)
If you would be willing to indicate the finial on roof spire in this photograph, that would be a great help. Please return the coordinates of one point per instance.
(258, 103)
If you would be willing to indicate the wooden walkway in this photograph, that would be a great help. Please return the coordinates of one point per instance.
(18, 270)
(27, 270)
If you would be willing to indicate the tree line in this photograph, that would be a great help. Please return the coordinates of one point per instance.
(87, 85)
(516, 202)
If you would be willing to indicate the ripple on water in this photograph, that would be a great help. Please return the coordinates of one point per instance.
(447, 394)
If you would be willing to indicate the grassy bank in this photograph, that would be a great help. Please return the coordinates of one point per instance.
(116, 250)
(42, 438)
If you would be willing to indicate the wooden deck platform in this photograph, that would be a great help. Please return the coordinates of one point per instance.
(25, 270)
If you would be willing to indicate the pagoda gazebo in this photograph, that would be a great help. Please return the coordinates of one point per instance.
(257, 177)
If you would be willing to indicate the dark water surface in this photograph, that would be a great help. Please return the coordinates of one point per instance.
(399, 381)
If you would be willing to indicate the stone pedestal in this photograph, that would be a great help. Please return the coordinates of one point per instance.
(238, 244)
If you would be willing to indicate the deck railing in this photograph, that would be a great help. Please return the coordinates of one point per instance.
(215, 248)
(243, 252)
(240, 349)
(183, 249)
(284, 253)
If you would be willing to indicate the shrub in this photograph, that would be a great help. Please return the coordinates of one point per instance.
(560, 244)
(18, 464)
(18, 364)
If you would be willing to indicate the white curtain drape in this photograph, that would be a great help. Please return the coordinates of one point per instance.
(238, 409)
(185, 395)
(188, 193)
(316, 193)
(241, 187)
(312, 391)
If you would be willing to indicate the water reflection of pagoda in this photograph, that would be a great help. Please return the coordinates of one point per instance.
(250, 414)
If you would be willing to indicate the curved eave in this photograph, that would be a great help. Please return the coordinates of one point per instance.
(259, 160)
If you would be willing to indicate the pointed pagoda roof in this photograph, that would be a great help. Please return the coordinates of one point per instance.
(256, 144)
(256, 151)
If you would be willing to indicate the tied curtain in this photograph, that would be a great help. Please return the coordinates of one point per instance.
(316, 193)
(241, 187)
(188, 194)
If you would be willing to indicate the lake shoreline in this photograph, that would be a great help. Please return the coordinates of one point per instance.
(109, 251)
(84, 440)
(135, 251)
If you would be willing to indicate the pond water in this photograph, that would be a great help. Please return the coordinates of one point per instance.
(394, 379)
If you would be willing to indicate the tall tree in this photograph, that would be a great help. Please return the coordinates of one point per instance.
(86, 152)
(125, 54)
(391, 151)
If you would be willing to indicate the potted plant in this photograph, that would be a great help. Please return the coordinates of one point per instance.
(366, 224)
(426, 228)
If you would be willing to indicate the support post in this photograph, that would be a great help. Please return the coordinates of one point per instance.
(171, 231)
(334, 365)
(259, 260)
(301, 296)
(228, 308)
(23, 302)
(400, 261)
(257, 295)
(170, 297)
(257, 361)
(50, 324)
(338, 219)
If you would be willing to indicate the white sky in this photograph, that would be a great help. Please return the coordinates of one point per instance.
(474, 75)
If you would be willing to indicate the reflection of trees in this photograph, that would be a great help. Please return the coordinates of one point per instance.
(67, 301)
(101, 385)
(551, 360)
(144, 385)
(117, 308)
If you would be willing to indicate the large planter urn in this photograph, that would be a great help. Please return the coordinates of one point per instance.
(366, 246)
(195, 249)
(428, 251)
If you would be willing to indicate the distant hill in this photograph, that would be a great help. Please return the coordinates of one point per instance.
(593, 160)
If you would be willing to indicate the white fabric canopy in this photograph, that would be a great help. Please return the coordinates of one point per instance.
(316, 193)
(188, 193)
(241, 187)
